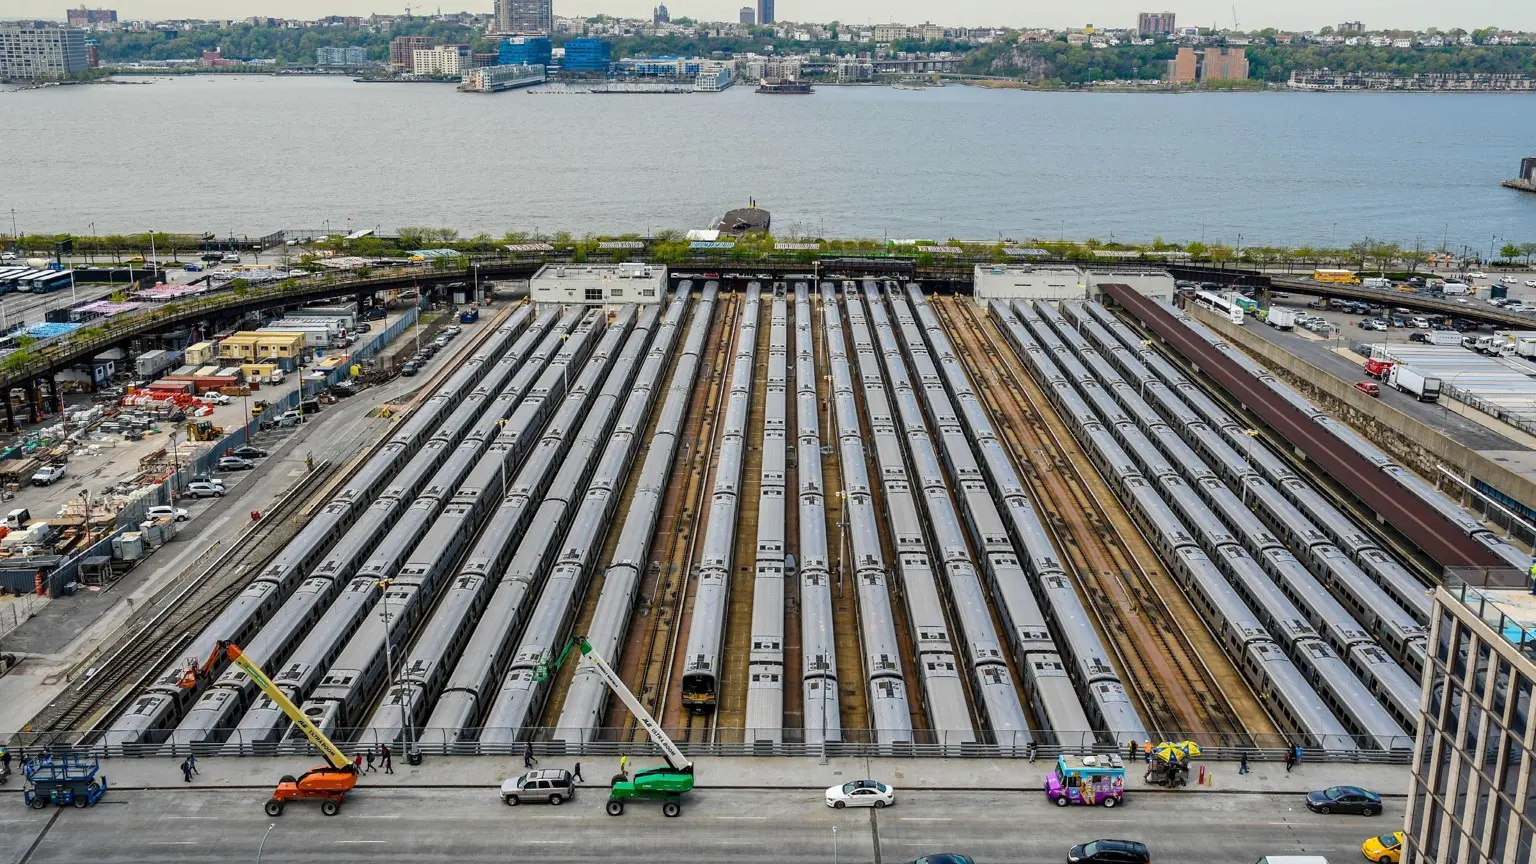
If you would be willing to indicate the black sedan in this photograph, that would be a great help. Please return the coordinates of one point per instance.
(946, 858)
(248, 452)
(1344, 799)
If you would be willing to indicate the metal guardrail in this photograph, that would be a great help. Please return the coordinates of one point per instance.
(729, 743)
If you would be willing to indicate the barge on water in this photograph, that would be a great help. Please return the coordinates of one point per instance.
(786, 86)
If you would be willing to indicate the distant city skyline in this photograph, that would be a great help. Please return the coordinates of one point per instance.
(1297, 15)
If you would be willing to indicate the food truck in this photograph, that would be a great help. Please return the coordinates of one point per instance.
(1086, 780)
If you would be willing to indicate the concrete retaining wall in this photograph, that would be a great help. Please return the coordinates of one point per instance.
(1406, 439)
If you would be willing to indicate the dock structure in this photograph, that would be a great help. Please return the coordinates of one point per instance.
(1526, 182)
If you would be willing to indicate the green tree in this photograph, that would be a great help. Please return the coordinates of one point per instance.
(1509, 251)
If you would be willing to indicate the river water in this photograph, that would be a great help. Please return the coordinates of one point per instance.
(252, 154)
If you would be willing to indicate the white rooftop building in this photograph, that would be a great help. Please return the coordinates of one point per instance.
(599, 284)
(1066, 282)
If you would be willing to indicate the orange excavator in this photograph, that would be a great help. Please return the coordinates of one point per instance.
(329, 783)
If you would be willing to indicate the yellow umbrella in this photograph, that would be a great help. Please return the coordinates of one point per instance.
(1168, 752)
(1190, 748)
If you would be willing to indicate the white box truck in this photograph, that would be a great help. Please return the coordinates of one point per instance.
(1376, 282)
(1444, 337)
(1281, 318)
(1453, 289)
(1422, 388)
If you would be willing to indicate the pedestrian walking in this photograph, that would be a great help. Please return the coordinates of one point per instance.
(389, 766)
(1290, 760)
(1130, 750)
(370, 762)
(357, 763)
(186, 772)
(624, 765)
(192, 763)
(1242, 767)
(5, 760)
(1297, 762)
(1032, 752)
(1146, 749)
(528, 760)
(576, 774)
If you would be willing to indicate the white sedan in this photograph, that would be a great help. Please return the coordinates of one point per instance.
(1530, 283)
(160, 510)
(861, 793)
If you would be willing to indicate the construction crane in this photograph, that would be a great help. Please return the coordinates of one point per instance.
(664, 784)
(329, 783)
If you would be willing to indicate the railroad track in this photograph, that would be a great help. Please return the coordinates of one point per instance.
(1101, 544)
(651, 654)
(187, 606)
(853, 700)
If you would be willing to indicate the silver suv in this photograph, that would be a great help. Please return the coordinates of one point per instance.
(552, 785)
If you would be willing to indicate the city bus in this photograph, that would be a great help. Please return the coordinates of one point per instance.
(1338, 277)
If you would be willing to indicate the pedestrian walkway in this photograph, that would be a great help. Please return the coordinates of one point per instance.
(999, 775)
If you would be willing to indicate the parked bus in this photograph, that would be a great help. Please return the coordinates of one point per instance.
(1338, 277)
(52, 281)
(1221, 304)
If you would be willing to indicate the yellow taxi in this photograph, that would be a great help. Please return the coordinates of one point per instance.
(1386, 848)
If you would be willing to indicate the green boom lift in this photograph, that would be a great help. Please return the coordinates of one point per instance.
(664, 784)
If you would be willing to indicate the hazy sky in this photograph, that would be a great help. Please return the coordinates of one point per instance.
(1293, 14)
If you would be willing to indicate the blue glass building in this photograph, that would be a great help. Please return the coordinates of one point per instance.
(587, 55)
(525, 51)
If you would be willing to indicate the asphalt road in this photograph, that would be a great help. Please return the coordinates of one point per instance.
(716, 826)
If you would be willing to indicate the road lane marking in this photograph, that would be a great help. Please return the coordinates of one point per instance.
(741, 817)
(549, 842)
(374, 841)
(926, 819)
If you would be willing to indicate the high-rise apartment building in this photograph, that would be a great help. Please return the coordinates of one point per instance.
(748, 15)
(1154, 23)
(84, 17)
(442, 60)
(402, 50)
(349, 57)
(765, 12)
(31, 53)
(525, 16)
(1473, 793)
(1208, 64)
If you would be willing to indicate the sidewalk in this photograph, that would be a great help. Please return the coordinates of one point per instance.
(1001, 775)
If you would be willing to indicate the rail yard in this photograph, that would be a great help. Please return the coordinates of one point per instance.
(811, 512)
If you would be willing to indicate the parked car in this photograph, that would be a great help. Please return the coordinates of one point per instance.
(48, 475)
(546, 785)
(344, 389)
(161, 510)
(409, 369)
(204, 489)
(7, 256)
(1388, 848)
(212, 257)
(1344, 799)
(861, 793)
(235, 463)
(246, 451)
(1369, 388)
(1110, 852)
(289, 418)
(945, 858)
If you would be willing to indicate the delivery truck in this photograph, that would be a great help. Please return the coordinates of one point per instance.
(1281, 318)
(1421, 387)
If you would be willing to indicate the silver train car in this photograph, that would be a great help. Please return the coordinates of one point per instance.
(600, 470)
(941, 672)
(438, 647)
(764, 720)
(419, 554)
(821, 721)
(890, 708)
(706, 633)
(583, 712)
(1047, 677)
(165, 700)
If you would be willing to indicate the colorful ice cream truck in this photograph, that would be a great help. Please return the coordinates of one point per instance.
(1086, 780)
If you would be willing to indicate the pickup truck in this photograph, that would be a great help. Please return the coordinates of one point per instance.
(48, 475)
